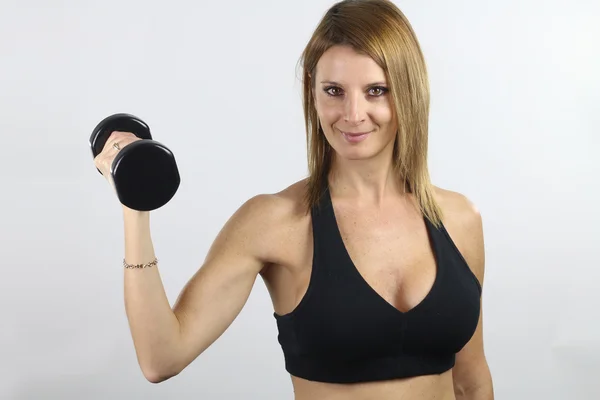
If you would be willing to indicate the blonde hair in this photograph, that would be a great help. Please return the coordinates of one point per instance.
(378, 29)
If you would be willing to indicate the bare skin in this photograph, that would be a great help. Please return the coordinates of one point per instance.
(270, 236)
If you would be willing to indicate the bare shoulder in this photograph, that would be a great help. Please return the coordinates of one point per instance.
(265, 218)
(270, 209)
(464, 223)
(457, 205)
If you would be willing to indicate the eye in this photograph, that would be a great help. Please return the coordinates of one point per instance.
(378, 91)
(375, 91)
(332, 91)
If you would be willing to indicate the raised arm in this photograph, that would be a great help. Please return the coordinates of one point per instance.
(168, 339)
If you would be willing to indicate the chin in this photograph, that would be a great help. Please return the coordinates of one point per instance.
(356, 153)
(363, 152)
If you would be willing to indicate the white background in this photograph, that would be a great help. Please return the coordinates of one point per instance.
(514, 126)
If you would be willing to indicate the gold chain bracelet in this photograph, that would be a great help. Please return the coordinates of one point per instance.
(134, 266)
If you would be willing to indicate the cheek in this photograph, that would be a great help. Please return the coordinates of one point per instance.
(328, 109)
(382, 114)
(384, 118)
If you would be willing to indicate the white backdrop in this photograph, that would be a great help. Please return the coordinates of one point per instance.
(514, 126)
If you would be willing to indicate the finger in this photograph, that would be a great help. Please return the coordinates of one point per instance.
(114, 143)
(109, 142)
(120, 138)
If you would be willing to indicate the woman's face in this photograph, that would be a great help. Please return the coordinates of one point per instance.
(353, 104)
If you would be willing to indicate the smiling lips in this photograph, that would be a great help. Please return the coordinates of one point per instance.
(355, 137)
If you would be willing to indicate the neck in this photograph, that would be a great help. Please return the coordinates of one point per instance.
(367, 181)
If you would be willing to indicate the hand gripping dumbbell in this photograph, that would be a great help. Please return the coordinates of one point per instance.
(144, 172)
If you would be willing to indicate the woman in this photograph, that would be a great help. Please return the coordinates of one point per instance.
(374, 273)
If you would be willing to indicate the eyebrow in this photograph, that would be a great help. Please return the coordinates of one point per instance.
(339, 84)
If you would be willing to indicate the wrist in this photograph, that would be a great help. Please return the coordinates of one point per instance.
(131, 213)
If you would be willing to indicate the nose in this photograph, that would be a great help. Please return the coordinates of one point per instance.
(354, 109)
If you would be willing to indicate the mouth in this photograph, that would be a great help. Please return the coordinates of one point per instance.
(355, 137)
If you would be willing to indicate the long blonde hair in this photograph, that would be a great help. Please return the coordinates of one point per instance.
(378, 29)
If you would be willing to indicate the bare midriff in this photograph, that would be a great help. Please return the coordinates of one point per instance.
(430, 387)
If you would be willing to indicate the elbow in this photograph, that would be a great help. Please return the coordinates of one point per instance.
(161, 364)
(482, 389)
(155, 378)
(156, 374)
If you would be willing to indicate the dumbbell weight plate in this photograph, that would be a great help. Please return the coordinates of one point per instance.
(145, 175)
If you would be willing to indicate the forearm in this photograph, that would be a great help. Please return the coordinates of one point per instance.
(154, 327)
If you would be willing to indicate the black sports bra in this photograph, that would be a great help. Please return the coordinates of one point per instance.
(343, 331)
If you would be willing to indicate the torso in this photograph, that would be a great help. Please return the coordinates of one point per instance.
(391, 250)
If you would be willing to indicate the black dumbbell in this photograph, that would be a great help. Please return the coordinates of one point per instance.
(144, 172)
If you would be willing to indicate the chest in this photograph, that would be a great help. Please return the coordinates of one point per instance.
(391, 250)
(380, 239)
